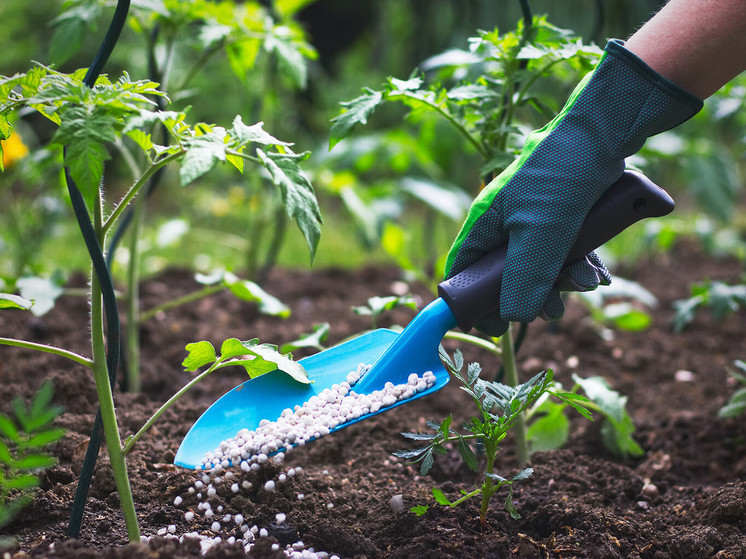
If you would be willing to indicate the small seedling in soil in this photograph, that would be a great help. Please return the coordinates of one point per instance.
(378, 305)
(498, 409)
(23, 441)
(721, 298)
(737, 402)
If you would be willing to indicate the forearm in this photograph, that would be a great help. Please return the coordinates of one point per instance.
(698, 44)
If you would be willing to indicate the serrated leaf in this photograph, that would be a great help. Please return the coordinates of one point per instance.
(202, 154)
(200, 354)
(354, 112)
(523, 474)
(458, 360)
(42, 399)
(84, 133)
(420, 510)
(440, 497)
(575, 401)
(473, 371)
(509, 506)
(10, 301)
(467, 455)
(255, 133)
(411, 454)
(427, 462)
(419, 436)
(445, 426)
(297, 193)
(291, 59)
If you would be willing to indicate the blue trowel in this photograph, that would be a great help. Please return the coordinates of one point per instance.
(463, 300)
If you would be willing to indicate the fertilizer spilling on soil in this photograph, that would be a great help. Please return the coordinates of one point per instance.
(241, 466)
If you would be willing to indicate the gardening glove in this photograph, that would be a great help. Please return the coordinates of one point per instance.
(538, 204)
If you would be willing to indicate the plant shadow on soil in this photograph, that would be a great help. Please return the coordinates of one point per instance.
(685, 498)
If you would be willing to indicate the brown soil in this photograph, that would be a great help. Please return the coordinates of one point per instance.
(685, 498)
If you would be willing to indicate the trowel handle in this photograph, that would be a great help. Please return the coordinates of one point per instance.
(475, 291)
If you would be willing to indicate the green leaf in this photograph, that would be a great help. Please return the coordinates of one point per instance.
(355, 112)
(467, 455)
(22, 482)
(315, 339)
(291, 58)
(5, 456)
(42, 399)
(232, 347)
(427, 462)
(8, 428)
(440, 497)
(420, 510)
(509, 506)
(255, 133)
(523, 474)
(84, 132)
(549, 431)
(617, 431)
(297, 194)
(419, 436)
(44, 438)
(44, 292)
(249, 291)
(202, 154)
(685, 310)
(35, 461)
(10, 301)
(200, 354)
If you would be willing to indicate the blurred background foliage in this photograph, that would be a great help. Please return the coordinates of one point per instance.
(338, 48)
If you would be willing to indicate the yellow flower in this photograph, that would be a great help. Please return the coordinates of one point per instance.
(13, 149)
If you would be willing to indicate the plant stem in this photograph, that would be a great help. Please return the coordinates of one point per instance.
(474, 340)
(133, 300)
(106, 399)
(511, 379)
(130, 442)
(188, 298)
(490, 449)
(48, 349)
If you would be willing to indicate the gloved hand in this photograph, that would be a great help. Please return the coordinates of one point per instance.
(538, 204)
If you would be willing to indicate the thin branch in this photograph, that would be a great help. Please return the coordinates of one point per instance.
(49, 349)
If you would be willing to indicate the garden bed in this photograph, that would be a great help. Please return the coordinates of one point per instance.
(686, 497)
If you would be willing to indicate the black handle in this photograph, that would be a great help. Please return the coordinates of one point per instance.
(475, 291)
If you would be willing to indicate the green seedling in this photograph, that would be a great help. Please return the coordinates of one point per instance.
(378, 305)
(314, 340)
(622, 305)
(24, 439)
(736, 404)
(549, 427)
(498, 409)
(721, 298)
